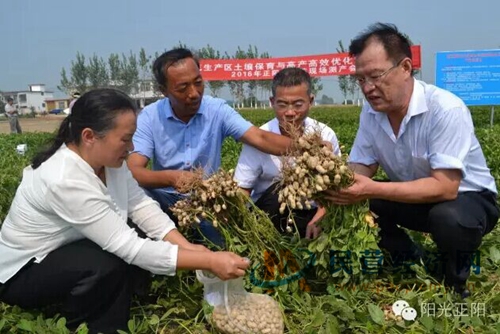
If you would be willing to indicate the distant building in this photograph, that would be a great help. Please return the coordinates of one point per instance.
(145, 92)
(62, 103)
(30, 100)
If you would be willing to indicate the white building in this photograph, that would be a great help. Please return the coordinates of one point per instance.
(145, 93)
(30, 100)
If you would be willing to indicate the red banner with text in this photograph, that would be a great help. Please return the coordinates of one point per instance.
(265, 68)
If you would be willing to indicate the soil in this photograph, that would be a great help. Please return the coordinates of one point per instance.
(47, 123)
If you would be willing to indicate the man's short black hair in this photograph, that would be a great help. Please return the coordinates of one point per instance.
(291, 77)
(396, 44)
(10, 99)
(167, 59)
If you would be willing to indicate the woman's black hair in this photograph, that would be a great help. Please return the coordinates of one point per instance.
(96, 110)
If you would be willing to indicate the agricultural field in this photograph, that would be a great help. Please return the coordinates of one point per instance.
(341, 303)
(47, 123)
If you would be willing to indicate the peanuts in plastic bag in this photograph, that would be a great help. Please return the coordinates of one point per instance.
(237, 311)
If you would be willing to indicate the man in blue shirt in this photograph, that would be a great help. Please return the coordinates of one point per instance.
(423, 138)
(185, 130)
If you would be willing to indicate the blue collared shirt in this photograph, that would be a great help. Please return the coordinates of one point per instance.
(436, 133)
(175, 145)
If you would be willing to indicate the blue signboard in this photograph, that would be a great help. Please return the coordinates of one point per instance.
(474, 76)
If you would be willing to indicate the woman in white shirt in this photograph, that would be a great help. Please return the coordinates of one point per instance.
(66, 240)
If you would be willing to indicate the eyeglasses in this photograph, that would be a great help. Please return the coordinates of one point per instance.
(297, 106)
(375, 80)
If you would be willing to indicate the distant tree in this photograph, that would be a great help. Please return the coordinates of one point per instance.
(231, 83)
(97, 73)
(114, 67)
(237, 87)
(79, 75)
(123, 72)
(208, 52)
(326, 99)
(119, 73)
(342, 79)
(144, 71)
(252, 53)
(144, 65)
(265, 85)
(129, 73)
(317, 86)
(180, 45)
(347, 83)
(65, 85)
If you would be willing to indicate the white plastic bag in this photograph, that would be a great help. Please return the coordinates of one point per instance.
(21, 149)
(237, 311)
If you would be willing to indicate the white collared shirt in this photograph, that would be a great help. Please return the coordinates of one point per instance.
(63, 200)
(9, 110)
(257, 170)
(436, 133)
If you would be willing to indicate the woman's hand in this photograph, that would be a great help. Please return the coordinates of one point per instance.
(195, 247)
(175, 237)
(227, 265)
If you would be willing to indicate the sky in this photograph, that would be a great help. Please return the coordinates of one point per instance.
(42, 37)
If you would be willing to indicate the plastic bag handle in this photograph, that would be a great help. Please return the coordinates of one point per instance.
(205, 279)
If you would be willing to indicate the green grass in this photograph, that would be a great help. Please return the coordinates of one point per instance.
(175, 303)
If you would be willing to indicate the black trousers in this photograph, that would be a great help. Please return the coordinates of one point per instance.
(268, 203)
(83, 282)
(457, 227)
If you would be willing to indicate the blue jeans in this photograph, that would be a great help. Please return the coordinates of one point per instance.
(206, 233)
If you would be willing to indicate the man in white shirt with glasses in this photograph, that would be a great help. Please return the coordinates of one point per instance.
(423, 138)
(258, 172)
